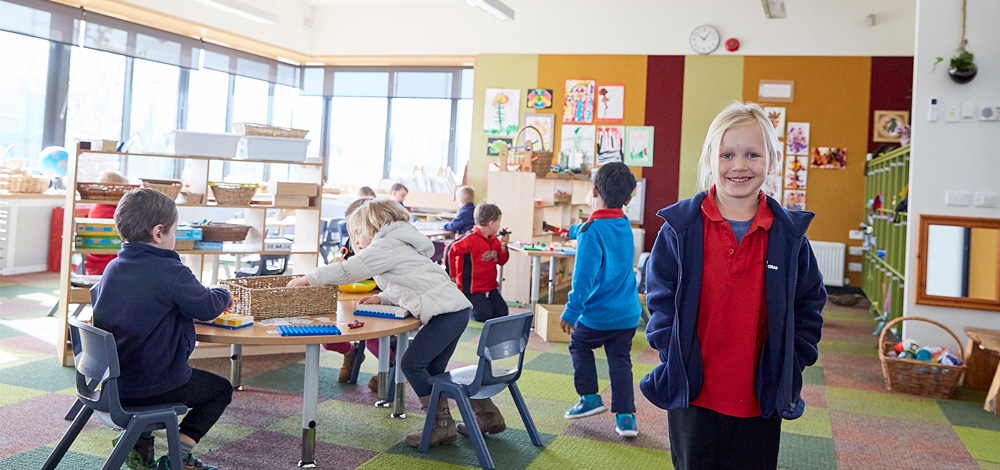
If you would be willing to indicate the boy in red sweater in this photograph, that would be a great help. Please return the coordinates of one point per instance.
(95, 264)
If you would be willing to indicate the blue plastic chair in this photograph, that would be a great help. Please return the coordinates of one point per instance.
(501, 338)
(98, 362)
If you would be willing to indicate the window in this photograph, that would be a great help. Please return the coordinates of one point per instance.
(22, 115)
(357, 141)
(153, 114)
(299, 112)
(96, 91)
(463, 136)
(208, 98)
(420, 131)
(250, 100)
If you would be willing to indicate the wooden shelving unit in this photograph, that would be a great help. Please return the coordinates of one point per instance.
(516, 194)
(304, 252)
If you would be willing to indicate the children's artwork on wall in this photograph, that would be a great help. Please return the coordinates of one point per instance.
(796, 171)
(501, 114)
(888, 125)
(610, 103)
(795, 200)
(829, 157)
(636, 207)
(579, 104)
(639, 146)
(539, 98)
(772, 185)
(577, 146)
(545, 123)
(493, 144)
(777, 117)
(610, 144)
(798, 138)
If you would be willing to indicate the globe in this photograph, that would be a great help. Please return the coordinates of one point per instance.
(53, 161)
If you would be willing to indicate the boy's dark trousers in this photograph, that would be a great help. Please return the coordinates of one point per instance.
(487, 305)
(618, 347)
(205, 394)
(703, 438)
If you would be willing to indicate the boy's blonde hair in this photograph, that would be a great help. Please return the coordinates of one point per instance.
(736, 114)
(113, 177)
(466, 194)
(371, 216)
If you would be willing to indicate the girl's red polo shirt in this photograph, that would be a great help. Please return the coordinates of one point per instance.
(732, 314)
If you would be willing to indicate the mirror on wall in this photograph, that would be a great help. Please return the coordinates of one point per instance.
(958, 262)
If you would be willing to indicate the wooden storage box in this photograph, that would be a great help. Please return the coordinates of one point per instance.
(547, 323)
(291, 201)
(297, 189)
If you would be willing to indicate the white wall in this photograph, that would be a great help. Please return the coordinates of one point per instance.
(951, 156)
(656, 27)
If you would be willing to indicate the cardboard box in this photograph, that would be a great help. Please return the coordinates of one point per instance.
(547, 323)
(291, 201)
(297, 189)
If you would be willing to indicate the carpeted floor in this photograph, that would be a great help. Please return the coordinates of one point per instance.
(850, 422)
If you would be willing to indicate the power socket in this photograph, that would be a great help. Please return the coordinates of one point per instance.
(855, 250)
(987, 200)
(958, 198)
(854, 267)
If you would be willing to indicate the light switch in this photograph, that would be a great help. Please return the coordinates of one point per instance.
(854, 267)
(854, 251)
(952, 111)
(957, 198)
(856, 235)
(969, 111)
(987, 200)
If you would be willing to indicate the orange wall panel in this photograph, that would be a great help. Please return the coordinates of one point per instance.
(832, 95)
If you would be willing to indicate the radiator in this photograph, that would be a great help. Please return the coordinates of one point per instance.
(830, 256)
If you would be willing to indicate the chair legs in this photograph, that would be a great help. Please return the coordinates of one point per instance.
(525, 416)
(67, 440)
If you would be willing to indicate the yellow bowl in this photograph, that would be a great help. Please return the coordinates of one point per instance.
(359, 287)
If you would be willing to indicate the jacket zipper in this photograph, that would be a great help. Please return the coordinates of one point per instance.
(676, 336)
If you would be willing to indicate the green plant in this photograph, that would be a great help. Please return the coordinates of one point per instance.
(962, 61)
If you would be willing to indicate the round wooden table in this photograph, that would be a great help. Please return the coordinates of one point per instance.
(381, 328)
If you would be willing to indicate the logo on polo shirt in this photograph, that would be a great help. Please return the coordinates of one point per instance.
(771, 267)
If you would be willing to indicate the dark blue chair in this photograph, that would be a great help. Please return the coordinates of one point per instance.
(330, 239)
(502, 338)
(97, 372)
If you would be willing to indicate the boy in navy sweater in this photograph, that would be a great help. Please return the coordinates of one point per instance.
(603, 307)
(465, 219)
(149, 300)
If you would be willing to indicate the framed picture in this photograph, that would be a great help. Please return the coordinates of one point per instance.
(539, 98)
(579, 105)
(500, 117)
(610, 144)
(577, 146)
(545, 123)
(493, 144)
(610, 103)
(887, 125)
(639, 146)
(635, 208)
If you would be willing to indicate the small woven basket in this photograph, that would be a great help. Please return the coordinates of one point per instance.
(233, 194)
(171, 188)
(103, 191)
(183, 245)
(219, 232)
(919, 377)
(541, 160)
(268, 297)
(249, 128)
(27, 184)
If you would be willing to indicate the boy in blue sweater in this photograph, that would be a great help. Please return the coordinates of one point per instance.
(149, 300)
(465, 220)
(603, 307)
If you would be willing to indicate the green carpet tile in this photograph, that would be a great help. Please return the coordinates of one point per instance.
(850, 420)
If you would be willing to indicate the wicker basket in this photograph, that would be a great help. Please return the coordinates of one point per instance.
(249, 128)
(103, 191)
(268, 297)
(541, 160)
(919, 377)
(219, 232)
(233, 194)
(27, 184)
(171, 188)
(184, 245)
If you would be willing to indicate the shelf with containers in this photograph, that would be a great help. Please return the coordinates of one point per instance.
(195, 175)
(884, 262)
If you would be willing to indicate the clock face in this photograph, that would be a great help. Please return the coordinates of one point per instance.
(704, 39)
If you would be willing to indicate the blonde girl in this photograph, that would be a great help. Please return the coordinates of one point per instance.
(390, 250)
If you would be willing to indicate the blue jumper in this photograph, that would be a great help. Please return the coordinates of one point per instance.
(463, 221)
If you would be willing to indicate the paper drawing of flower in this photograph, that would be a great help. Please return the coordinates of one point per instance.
(499, 103)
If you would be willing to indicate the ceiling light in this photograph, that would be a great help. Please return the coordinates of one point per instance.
(244, 10)
(774, 9)
(494, 7)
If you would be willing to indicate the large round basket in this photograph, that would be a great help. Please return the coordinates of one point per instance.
(270, 297)
(233, 194)
(103, 191)
(170, 188)
(249, 128)
(922, 378)
(220, 232)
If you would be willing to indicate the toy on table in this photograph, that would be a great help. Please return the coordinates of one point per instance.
(554, 229)
(381, 311)
(310, 330)
(355, 324)
(358, 287)
(503, 232)
(230, 320)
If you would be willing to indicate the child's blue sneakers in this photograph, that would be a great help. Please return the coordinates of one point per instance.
(589, 405)
(625, 425)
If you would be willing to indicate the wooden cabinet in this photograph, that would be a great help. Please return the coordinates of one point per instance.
(526, 202)
(884, 261)
(304, 252)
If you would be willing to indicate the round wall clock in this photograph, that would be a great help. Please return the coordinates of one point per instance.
(704, 39)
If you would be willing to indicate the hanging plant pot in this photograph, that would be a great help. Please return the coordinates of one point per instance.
(962, 76)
